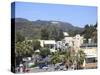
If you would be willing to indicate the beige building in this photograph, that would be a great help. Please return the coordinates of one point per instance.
(75, 41)
(90, 51)
(78, 41)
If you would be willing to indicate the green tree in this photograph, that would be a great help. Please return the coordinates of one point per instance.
(44, 34)
(55, 58)
(80, 56)
(94, 34)
(55, 33)
(60, 35)
(44, 52)
(69, 57)
(52, 32)
(19, 37)
(89, 32)
(36, 44)
(23, 48)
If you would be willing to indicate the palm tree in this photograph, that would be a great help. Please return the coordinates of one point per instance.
(27, 48)
(55, 58)
(80, 56)
(69, 58)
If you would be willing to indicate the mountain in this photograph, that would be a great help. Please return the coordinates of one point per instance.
(32, 29)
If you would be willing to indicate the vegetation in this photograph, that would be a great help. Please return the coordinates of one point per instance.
(55, 58)
(80, 58)
(90, 31)
(44, 52)
(32, 29)
(24, 48)
(46, 30)
(19, 37)
(36, 44)
(52, 33)
(44, 34)
(69, 57)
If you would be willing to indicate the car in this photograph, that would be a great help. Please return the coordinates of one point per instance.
(42, 65)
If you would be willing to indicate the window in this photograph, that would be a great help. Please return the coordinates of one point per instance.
(90, 60)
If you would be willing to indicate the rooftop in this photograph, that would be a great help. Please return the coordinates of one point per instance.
(65, 34)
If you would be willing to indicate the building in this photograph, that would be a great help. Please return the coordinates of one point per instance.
(60, 46)
(75, 41)
(51, 44)
(90, 50)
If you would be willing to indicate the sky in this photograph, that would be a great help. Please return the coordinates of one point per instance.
(74, 14)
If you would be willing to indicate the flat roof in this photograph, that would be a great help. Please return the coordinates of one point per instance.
(89, 45)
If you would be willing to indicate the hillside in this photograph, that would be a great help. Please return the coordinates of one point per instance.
(32, 29)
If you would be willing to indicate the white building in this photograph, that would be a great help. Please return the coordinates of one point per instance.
(51, 44)
(59, 44)
(78, 41)
(75, 41)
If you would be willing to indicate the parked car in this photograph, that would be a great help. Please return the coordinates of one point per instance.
(41, 65)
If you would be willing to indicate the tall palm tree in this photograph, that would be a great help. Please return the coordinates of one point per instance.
(69, 57)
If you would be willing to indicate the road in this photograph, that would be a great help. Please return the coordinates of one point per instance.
(47, 69)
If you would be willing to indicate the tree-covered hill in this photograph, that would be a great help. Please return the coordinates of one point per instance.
(32, 29)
